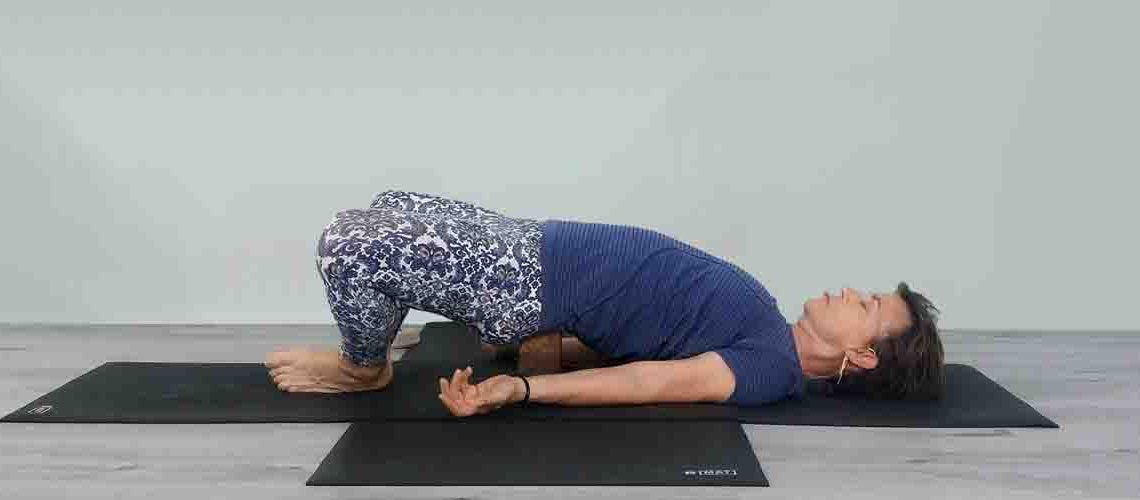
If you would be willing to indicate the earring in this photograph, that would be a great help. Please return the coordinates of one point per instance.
(844, 364)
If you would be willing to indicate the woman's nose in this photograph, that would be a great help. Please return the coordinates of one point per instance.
(844, 293)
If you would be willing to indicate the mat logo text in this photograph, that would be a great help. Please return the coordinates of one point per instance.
(40, 410)
(710, 472)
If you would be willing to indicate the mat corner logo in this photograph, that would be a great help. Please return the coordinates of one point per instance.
(710, 472)
(40, 410)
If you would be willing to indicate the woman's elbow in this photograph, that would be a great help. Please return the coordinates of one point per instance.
(698, 379)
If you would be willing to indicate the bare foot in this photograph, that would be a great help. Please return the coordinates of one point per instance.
(300, 370)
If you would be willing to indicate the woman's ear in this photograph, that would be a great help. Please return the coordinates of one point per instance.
(865, 358)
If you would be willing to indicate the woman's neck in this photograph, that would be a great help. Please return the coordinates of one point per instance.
(814, 361)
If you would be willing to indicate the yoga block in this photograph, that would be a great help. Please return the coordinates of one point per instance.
(541, 353)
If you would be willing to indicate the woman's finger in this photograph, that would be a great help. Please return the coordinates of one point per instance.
(471, 389)
(456, 392)
(450, 403)
(448, 389)
(455, 379)
(461, 381)
(452, 384)
(464, 383)
(453, 388)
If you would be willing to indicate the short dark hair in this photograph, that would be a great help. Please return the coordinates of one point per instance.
(910, 364)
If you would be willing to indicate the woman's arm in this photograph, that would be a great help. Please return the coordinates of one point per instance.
(702, 378)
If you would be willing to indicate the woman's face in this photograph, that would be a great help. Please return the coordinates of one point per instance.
(854, 319)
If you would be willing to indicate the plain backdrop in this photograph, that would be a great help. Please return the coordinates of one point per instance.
(176, 163)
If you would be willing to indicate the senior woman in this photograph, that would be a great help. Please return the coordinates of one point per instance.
(674, 323)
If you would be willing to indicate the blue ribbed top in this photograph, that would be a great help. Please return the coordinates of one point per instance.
(632, 294)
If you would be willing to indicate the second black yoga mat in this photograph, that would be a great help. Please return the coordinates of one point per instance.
(492, 452)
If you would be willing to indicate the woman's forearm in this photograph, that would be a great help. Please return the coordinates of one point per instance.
(614, 385)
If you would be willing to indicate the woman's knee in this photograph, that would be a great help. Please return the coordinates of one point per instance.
(328, 236)
(391, 198)
(333, 243)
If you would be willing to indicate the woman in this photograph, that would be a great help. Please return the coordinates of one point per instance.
(678, 324)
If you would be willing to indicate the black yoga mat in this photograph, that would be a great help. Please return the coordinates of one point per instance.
(971, 400)
(494, 452)
(140, 392)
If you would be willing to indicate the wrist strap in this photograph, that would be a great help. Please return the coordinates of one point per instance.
(527, 384)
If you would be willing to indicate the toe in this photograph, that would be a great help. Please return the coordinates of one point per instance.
(304, 386)
(274, 359)
(286, 380)
(282, 357)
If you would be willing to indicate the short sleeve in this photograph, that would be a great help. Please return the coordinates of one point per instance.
(763, 373)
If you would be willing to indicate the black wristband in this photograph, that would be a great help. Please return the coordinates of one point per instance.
(527, 384)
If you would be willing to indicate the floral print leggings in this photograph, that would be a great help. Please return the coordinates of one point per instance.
(429, 253)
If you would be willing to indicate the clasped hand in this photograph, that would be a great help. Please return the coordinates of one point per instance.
(464, 399)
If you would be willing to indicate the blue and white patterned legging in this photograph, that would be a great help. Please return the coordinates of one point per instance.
(429, 253)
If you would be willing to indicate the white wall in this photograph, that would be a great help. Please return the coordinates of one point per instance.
(176, 164)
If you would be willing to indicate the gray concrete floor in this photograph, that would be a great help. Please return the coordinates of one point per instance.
(1081, 380)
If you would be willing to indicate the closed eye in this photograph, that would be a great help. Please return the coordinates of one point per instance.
(878, 301)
